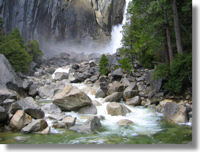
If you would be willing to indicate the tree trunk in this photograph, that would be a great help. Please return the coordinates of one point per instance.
(168, 36)
(177, 27)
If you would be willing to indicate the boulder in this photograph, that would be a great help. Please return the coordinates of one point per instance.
(57, 117)
(117, 74)
(46, 91)
(135, 101)
(3, 115)
(69, 121)
(30, 106)
(115, 97)
(88, 110)
(19, 120)
(175, 112)
(129, 92)
(35, 126)
(7, 94)
(103, 83)
(14, 107)
(7, 103)
(71, 98)
(124, 122)
(115, 86)
(92, 124)
(51, 108)
(116, 109)
(100, 93)
(33, 90)
(61, 75)
(8, 75)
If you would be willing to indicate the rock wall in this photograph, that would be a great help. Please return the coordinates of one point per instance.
(61, 19)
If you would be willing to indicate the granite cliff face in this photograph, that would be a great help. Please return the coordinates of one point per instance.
(61, 19)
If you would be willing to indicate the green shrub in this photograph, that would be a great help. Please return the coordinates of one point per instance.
(32, 48)
(161, 71)
(125, 64)
(180, 76)
(17, 55)
(104, 68)
(12, 46)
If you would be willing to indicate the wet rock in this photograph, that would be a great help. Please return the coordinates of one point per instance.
(75, 66)
(19, 120)
(92, 124)
(69, 121)
(135, 101)
(103, 83)
(61, 75)
(175, 113)
(125, 122)
(116, 109)
(100, 94)
(3, 115)
(35, 126)
(88, 110)
(30, 106)
(46, 91)
(14, 108)
(71, 98)
(96, 103)
(115, 97)
(51, 108)
(7, 103)
(57, 117)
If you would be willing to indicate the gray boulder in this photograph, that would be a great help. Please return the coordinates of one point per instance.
(176, 113)
(115, 109)
(7, 94)
(35, 126)
(33, 90)
(8, 75)
(92, 124)
(135, 101)
(69, 121)
(115, 86)
(51, 108)
(61, 75)
(117, 74)
(100, 93)
(115, 97)
(129, 92)
(71, 98)
(88, 110)
(125, 122)
(30, 106)
(46, 91)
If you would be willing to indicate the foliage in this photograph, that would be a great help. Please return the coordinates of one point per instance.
(12, 46)
(104, 65)
(125, 64)
(16, 54)
(178, 75)
(33, 49)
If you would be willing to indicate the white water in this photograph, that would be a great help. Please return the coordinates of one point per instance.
(116, 35)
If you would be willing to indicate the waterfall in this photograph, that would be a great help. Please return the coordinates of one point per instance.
(116, 34)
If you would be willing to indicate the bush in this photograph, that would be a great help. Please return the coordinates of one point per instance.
(125, 64)
(32, 48)
(17, 55)
(12, 46)
(178, 75)
(104, 65)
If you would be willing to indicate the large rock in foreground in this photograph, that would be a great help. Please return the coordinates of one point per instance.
(71, 98)
(19, 120)
(175, 113)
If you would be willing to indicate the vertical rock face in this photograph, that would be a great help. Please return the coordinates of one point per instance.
(61, 19)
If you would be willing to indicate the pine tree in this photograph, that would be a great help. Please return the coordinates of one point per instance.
(104, 65)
